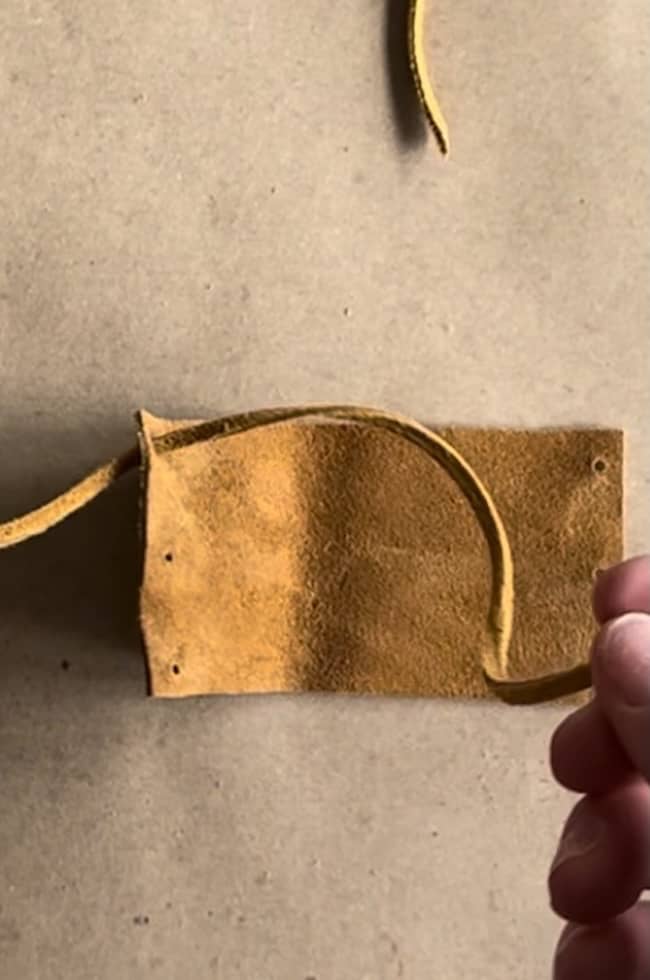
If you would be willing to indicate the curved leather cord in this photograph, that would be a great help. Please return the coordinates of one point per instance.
(494, 659)
(423, 85)
(41, 519)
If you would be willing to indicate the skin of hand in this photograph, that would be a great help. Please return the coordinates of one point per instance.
(602, 752)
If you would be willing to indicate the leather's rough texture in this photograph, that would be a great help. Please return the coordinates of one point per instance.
(337, 557)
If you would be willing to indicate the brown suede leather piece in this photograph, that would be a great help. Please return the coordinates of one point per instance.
(320, 556)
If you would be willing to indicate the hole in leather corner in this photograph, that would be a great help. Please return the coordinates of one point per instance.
(176, 669)
(599, 465)
(169, 556)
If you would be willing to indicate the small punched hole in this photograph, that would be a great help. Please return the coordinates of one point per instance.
(176, 669)
(169, 556)
(599, 465)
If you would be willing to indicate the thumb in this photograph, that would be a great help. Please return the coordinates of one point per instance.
(621, 676)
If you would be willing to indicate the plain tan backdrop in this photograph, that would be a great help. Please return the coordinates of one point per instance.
(212, 206)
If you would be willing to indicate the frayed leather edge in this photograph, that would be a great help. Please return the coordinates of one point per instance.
(146, 449)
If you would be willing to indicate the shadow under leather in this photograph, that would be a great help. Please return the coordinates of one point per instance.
(77, 582)
(408, 114)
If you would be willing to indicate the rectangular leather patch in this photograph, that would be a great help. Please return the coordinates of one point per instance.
(333, 557)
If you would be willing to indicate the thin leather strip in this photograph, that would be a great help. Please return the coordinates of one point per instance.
(421, 78)
(170, 442)
(43, 518)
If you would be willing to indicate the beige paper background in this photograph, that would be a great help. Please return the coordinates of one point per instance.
(207, 207)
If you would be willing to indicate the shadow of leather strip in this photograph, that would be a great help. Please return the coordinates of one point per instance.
(332, 556)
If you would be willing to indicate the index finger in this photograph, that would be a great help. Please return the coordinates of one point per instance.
(622, 589)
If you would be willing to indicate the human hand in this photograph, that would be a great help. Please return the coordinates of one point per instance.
(603, 751)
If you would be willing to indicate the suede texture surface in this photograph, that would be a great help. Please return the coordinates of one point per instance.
(337, 557)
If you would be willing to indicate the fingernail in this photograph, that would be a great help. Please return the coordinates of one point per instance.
(581, 837)
(623, 652)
